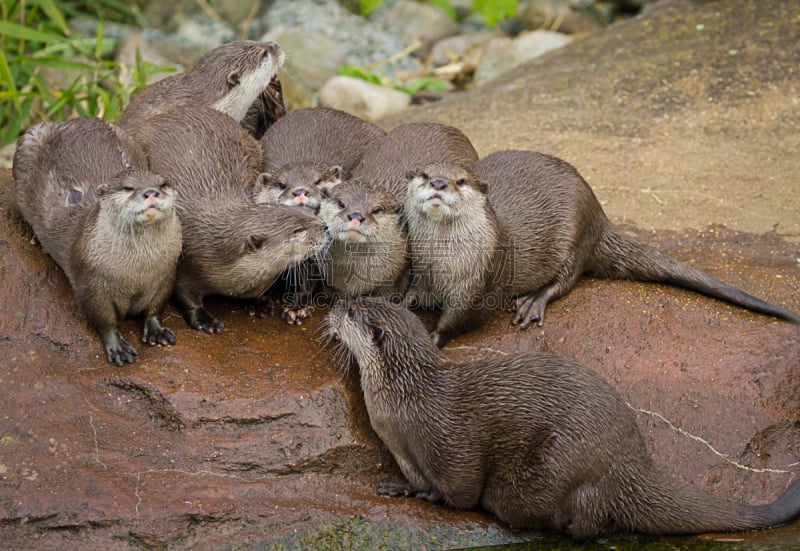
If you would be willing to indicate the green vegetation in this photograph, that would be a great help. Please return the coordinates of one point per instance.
(47, 73)
(426, 82)
(493, 11)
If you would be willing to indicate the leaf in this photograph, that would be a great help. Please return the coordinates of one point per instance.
(494, 10)
(14, 30)
(368, 6)
(445, 6)
(359, 72)
(57, 63)
(55, 15)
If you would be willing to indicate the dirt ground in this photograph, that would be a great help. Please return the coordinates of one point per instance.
(255, 438)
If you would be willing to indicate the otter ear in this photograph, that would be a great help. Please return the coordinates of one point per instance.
(377, 332)
(233, 78)
(336, 172)
(253, 243)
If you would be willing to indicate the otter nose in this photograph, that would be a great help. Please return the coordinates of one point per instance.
(300, 192)
(150, 194)
(357, 216)
(439, 184)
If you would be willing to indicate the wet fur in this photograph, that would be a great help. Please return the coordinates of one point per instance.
(410, 146)
(229, 78)
(569, 458)
(526, 227)
(371, 259)
(232, 245)
(82, 187)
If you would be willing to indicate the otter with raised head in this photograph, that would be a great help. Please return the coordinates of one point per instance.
(526, 225)
(234, 78)
(367, 253)
(297, 184)
(109, 224)
(232, 245)
(537, 439)
(409, 146)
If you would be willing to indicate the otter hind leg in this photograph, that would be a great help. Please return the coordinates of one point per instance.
(200, 319)
(530, 308)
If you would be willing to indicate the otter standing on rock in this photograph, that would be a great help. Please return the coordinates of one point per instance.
(237, 79)
(539, 229)
(108, 223)
(408, 146)
(538, 440)
(232, 246)
(368, 251)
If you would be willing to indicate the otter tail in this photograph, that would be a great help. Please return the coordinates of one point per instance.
(683, 510)
(619, 256)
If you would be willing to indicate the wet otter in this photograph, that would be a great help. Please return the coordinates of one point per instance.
(537, 232)
(409, 146)
(367, 253)
(537, 439)
(237, 78)
(110, 225)
(232, 245)
(318, 136)
(297, 184)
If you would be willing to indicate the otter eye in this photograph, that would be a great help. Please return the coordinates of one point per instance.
(378, 210)
(351, 312)
(461, 182)
(281, 185)
(165, 185)
(425, 176)
(318, 183)
(340, 205)
(127, 188)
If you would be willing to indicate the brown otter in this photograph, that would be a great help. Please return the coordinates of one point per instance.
(318, 136)
(537, 439)
(409, 146)
(367, 253)
(232, 245)
(234, 78)
(297, 184)
(110, 225)
(537, 232)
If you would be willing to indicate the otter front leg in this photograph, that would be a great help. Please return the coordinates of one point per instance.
(530, 308)
(103, 317)
(155, 333)
(191, 301)
(455, 321)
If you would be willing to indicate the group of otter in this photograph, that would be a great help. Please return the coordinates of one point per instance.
(207, 185)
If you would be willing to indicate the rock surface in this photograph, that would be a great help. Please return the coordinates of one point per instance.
(255, 438)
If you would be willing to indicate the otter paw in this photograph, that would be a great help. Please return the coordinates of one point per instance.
(154, 333)
(396, 489)
(118, 350)
(296, 316)
(529, 309)
(261, 307)
(202, 320)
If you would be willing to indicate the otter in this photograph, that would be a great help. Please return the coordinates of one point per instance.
(318, 136)
(237, 78)
(233, 246)
(526, 225)
(297, 184)
(411, 145)
(109, 224)
(367, 253)
(537, 439)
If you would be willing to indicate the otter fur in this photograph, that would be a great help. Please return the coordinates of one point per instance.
(110, 225)
(537, 439)
(526, 226)
(236, 78)
(233, 246)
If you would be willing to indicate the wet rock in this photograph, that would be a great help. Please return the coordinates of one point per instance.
(362, 98)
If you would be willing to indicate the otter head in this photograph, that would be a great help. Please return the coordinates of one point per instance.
(138, 197)
(297, 184)
(359, 212)
(444, 191)
(382, 336)
(237, 73)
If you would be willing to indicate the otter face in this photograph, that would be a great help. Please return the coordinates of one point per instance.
(139, 197)
(358, 212)
(444, 191)
(249, 68)
(297, 184)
